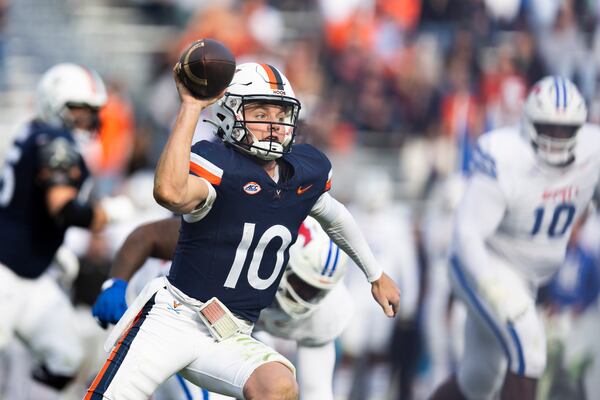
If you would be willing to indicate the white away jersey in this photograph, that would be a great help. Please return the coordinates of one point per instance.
(541, 203)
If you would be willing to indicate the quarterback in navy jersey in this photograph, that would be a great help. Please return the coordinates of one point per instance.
(242, 202)
(39, 186)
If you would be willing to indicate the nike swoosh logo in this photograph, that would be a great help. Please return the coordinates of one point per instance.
(176, 304)
(301, 189)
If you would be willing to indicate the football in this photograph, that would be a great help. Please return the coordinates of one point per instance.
(206, 67)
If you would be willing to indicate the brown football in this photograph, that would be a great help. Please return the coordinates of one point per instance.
(206, 67)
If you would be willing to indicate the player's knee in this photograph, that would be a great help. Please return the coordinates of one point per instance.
(278, 389)
(271, 382)
(284, 389)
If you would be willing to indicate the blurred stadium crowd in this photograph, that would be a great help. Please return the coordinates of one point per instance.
(394, 91)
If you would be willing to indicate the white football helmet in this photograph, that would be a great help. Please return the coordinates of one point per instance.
(66, 85)
(256, 83)
(316, 265)
(554, 112)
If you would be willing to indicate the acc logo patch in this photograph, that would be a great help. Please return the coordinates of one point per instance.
(252, 188)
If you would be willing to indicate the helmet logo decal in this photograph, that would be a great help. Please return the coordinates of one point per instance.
(274, 77)
(252, 188)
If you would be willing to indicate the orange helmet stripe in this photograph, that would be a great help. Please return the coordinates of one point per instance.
(274, 77)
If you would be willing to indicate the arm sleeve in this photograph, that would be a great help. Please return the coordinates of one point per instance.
(315, 371)
(477, 217)
(343, 230)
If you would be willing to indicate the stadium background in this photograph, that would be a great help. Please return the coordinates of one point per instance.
(394, 91)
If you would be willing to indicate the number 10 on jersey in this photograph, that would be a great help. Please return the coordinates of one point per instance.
(562, 218)
(276, 231)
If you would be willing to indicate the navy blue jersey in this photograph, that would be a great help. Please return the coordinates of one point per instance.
(29, 237)
(238, 252)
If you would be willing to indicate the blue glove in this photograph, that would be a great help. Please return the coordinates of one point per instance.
(110, 304)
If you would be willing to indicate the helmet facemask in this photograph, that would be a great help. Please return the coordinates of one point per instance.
(554, 143)
(245, 130)
(297, 297)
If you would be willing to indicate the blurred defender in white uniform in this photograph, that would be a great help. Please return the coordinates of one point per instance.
(387, 225)
(529, 185)
(443, 317)
(311, 306)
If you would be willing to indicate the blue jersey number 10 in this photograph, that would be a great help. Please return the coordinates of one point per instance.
(562, 218)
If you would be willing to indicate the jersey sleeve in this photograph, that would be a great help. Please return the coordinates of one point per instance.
(477, 217)
(206, 161)
(59, 163)
(328, 182)
(491, 161)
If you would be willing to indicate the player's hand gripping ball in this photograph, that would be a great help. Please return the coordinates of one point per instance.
(206, 68)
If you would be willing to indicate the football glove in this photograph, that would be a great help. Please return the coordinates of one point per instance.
(110, 304)
(508, 300)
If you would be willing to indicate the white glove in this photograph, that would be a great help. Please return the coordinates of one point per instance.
(506, 296)
(118, 208)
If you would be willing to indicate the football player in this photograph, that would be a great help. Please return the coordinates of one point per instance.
(311, 306)
(242, 202)
(39, 199)
(528, 186)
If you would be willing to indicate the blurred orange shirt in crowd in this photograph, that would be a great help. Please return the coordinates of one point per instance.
(115, 134)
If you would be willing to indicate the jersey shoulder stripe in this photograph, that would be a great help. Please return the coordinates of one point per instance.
(205, 169)
(207, 160)
(483, 162)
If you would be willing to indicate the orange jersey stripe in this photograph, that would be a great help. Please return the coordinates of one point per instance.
(271, 75)
(203, 173)
(110, 358)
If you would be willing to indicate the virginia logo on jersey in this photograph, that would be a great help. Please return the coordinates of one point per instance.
(252, 188)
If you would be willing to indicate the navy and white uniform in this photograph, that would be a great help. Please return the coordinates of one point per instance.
(236, 251)
(29, 237)
(33, 306)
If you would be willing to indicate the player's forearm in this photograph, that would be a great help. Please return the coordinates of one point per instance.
(172, 170)
(343, 230)
(157, 239)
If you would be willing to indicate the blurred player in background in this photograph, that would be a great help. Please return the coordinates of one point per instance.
(40, 197)
(312, 306)
(529, 185)
(247, 195)
(387, 225)
(443, 316)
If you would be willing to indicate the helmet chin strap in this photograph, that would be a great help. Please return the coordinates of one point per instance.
(267, 150)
